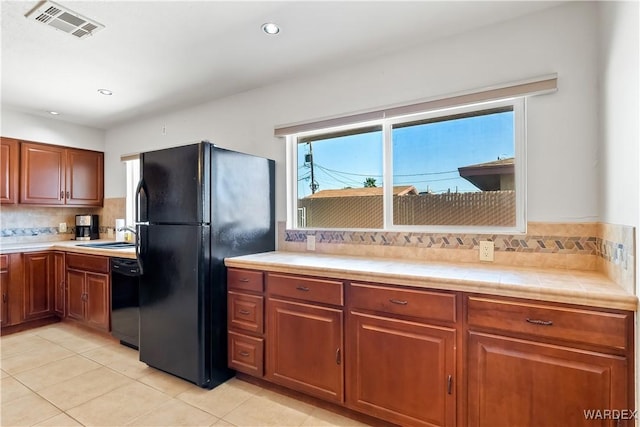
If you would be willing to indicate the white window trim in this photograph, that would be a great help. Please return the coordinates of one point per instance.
(519, 108)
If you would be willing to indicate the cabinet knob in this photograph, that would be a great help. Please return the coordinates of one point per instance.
(61, 195)
(68, 194)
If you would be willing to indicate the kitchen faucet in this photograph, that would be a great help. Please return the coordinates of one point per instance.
(127, 228)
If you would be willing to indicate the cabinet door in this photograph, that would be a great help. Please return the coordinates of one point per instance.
(304, 348)
(401, 371)
(97, 300)
(85, 178)
(518, 383)
(75, 294)
(4, 290)
(60, 294)
(42, 174)
(38, 285)
(9, 170)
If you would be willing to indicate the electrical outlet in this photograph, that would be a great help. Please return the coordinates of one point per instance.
(486, 250)
(311, 243)
(62, 227)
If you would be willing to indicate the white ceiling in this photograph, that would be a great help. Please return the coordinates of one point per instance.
(161, 55)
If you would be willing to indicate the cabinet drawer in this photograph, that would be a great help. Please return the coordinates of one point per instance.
(99, 264)
(4, 262)
(304, 288)
(406, 302)
(245, 280)
(245, 312)
(246, 354)
(541, 320)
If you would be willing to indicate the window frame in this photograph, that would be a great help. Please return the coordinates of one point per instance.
(519, 109)
(132, 167)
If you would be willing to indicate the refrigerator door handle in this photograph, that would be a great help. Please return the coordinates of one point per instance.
(139, 189)
(138, 221)
(139, 236)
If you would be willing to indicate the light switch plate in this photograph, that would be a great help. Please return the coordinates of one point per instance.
(62, 227)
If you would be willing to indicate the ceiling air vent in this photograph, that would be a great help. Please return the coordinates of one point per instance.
(63, 19)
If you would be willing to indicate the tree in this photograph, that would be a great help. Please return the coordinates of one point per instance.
(370, 182)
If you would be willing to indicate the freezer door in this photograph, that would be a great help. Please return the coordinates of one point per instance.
(173, 300)
(176, 185)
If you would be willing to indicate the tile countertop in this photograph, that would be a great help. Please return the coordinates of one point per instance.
(69, 246)
(588, 288)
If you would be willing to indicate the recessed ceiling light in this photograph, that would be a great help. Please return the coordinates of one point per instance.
(105, 92)
(270, 28)
(53, 113)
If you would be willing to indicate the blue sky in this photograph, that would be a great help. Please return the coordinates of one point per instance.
(427, 156)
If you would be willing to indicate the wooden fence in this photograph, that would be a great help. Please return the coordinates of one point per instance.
(496, 208)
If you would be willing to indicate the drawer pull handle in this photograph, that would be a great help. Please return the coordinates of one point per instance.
(540, 322)
(338, 358)
(302, 288)
(398, 301)
(449, 384)
(245, 312)
(244, 353)
(244, 280)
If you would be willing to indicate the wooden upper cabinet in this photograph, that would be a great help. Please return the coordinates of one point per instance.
(42, 173)
(54, 175)
(9, 158)
(85, 178)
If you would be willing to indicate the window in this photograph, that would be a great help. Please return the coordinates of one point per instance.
(456, 169)
(133, 176)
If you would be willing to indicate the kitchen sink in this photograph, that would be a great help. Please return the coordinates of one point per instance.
(109, 245)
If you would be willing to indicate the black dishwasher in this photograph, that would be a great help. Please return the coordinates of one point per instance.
(125, 308)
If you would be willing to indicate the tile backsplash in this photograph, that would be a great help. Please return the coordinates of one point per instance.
(604, 247)
(581, 246)
(20, 223)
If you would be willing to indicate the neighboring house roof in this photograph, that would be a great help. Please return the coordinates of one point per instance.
(401, 190)
(486, 176)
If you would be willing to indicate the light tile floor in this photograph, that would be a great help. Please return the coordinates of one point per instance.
(63, 375)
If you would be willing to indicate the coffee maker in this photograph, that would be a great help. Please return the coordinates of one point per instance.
(87, 227)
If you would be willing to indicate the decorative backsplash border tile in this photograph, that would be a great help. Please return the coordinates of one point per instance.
(587, 245)
(33, 231)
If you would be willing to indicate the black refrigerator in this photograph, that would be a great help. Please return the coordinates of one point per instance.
(196, 205)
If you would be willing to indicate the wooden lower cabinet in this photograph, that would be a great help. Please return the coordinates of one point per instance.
(38, 285)
(75, 294)
(520, 383)
(304, 348)
(88, 297)
(89, 290)
(4, 290)
(59, 282)
(429, 357)
(401, 371)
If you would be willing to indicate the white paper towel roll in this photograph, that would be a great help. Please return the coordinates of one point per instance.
(119, 234)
